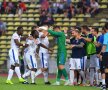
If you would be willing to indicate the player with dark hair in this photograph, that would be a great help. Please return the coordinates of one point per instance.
(104, 56)
(76, 63)
(14, 55)
(91, 63)
(30, 54)
(61, 54)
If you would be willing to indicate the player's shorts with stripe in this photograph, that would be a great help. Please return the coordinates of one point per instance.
(14, 56)
(31, 60)
(75, 63)
(61, 58)
(83, 63)
(44, 57)
(105, 60)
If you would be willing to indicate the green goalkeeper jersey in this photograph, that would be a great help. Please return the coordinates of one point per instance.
(61, 39)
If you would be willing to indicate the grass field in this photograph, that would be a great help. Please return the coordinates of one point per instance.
(40, 86)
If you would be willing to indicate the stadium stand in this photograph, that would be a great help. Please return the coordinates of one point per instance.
(32, 15)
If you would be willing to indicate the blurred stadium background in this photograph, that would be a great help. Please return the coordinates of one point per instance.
(32, 15)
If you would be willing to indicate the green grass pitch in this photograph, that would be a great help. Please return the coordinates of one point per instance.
(40, 85)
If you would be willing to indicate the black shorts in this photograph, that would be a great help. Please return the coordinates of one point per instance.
(105, 60)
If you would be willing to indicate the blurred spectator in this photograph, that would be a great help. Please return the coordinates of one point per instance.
(66, 15)
(2, 27)
(94, 7)
(22, 5)
(55, 6)
(51, 9)
(3, 7)
(83, 6)
(50, 20)
(45, 5)
(60, 7)
(9, 7)
(43, 18)
(15, 8)
(71, 10)
(19, 11)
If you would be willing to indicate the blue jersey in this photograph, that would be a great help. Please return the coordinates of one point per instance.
(99, 40)
(77, 52)
(106, 41)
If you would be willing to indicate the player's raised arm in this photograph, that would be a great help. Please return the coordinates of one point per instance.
(89, 38)
(56, 32)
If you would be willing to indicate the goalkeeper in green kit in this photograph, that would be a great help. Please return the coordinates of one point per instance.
(61, 54)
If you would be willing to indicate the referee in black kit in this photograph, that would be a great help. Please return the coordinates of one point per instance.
(104, 56)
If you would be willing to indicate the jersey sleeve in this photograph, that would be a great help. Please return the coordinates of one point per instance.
(15, 36)
(105, 40)
(101, 39)
(53, 33)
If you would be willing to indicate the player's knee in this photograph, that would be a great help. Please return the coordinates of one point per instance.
(12, 67)
(16, 64)
(34, 69)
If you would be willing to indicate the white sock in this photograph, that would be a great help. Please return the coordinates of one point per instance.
(87, 74)
(96, 77)
(38, 72)
(71, 76)
(75, 80)
(100, 77)
(25, 71)
(10, 74)
(83, 76)
(91, 76)
(17, 70)
(26, 74)
(33, 76)
(45, 76)
(103, 81)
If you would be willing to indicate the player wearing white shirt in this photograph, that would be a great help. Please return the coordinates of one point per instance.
(14, 55)
(24, 57)
(30, 54)
(44, 55)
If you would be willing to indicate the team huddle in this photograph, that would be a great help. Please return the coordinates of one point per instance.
(88, 58)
